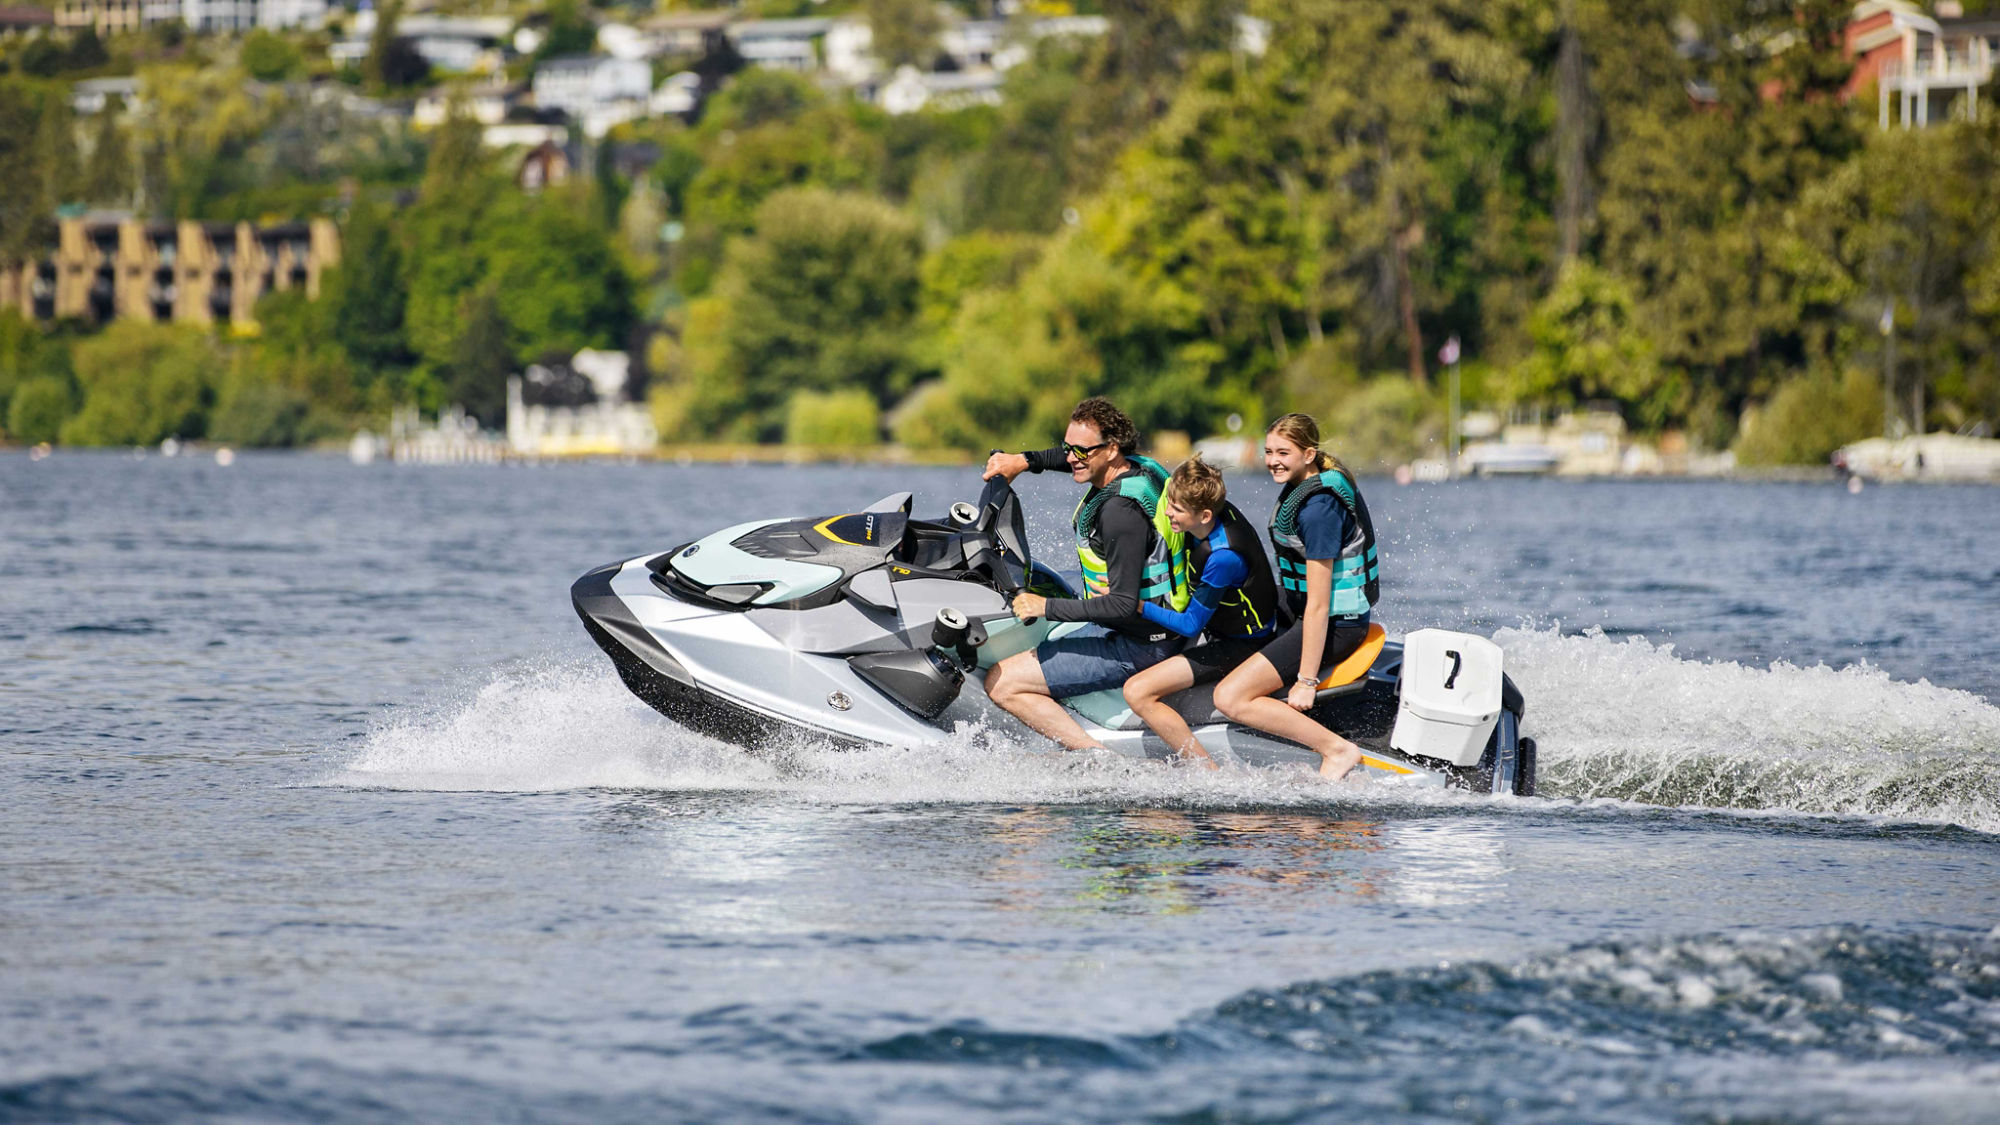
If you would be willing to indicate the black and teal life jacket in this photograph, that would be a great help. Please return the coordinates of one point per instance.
(1166, 577)
(1357, 573)
(1251, 609)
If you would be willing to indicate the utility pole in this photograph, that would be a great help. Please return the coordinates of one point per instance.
(1448, 355)
(1888, 327)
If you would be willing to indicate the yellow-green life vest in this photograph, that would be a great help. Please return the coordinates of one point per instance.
(1166, 577)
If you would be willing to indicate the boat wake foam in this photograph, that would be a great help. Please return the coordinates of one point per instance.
(1627, 719)
(1617, 720)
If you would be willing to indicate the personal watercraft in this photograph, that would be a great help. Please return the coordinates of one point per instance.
(865, 628)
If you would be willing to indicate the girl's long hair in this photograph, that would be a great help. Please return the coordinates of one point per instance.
(1302, 431)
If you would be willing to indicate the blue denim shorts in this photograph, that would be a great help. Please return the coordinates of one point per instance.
(1095, 658)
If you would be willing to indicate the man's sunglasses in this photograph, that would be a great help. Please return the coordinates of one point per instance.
(1083, 452)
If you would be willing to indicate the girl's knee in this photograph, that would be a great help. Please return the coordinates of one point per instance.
(1229, 700)
(1136, 695)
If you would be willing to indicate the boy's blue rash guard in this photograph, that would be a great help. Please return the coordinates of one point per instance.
(1225, 571)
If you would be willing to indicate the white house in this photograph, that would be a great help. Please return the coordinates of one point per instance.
(219, 15)
(487, 103)
(456, 44)
(780, 44)
(91, 95)
(974, 43)
(911, 90)
(849, 49)
(291, 13)
(678, 96)
(597, 91)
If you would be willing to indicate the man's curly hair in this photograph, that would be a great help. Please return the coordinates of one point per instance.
(1110, 422)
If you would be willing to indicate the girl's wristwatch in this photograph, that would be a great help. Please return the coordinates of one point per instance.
(1309, 681)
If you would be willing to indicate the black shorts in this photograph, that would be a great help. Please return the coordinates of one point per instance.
(1342, 638)
(1212, 660)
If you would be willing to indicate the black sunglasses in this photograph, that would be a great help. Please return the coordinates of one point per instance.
(1083, 452)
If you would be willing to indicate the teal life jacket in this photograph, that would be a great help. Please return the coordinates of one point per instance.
(1166, 578)
(1357, 585)
(1251, 609)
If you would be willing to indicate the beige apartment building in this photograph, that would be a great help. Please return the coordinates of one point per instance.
(110, 267)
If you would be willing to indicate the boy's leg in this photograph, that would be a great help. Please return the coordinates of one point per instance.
(1143, 694)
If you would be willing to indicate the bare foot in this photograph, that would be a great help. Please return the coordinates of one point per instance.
(1340, 763)
(1202, 760)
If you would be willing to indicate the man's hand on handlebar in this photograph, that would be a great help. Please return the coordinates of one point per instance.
(1028, 606)
(1008, 465)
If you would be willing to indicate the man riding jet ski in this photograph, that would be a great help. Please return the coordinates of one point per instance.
(863, 629)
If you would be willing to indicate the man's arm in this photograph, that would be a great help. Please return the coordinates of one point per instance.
(1123, 526)
(1224, 571)
(1011, 465)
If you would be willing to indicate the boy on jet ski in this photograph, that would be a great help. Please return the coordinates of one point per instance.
(1126, 560)
(1234, 603)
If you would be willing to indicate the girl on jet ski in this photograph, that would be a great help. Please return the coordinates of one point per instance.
(1329, 582)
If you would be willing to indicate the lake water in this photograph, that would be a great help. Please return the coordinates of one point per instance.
(320, 805)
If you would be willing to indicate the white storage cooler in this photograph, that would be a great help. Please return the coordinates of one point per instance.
(1450, 694)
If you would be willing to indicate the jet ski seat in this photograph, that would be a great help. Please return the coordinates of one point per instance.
(1197, 704)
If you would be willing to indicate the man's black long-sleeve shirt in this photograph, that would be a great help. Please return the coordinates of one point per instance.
(1121, 537)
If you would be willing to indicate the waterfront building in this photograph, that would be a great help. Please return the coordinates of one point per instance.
(613, 425)
(108, 265)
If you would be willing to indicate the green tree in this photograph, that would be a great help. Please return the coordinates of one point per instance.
(456, 158)
(1911, 223)
(570, 32)
(821, 298)
(26, 222)
(269, 57)
(1809, 417)
(833, 419)
(904, 32)
(482, 360)
(86, 51)
(1077, 324)
(1588, 345)
(55, 151)
(556, 278)
(107, 177)
(366, 295)
(38, 409)
(143, 382)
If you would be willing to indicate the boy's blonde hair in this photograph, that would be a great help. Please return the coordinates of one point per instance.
(1197, 486)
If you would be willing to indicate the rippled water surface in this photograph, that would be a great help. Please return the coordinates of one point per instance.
(320, 805)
